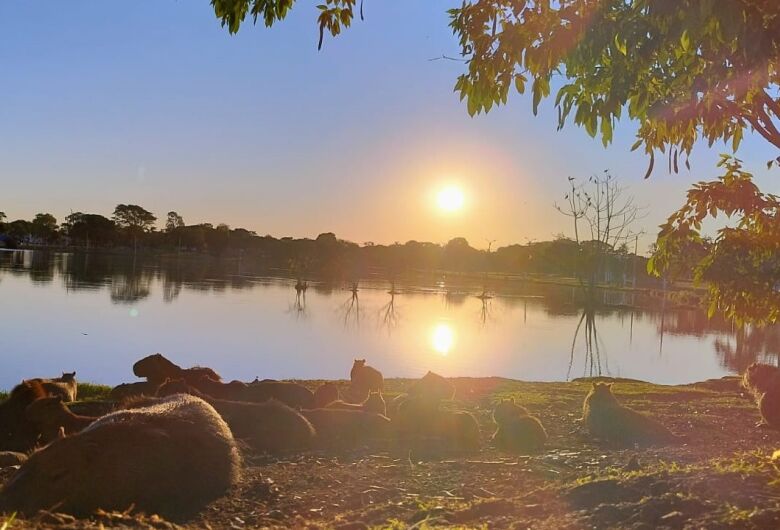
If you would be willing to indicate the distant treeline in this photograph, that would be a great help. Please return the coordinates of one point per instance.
(132, 227)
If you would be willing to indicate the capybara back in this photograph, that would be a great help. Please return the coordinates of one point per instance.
(170, 458)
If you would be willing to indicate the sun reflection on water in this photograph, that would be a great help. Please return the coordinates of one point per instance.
(443, 338)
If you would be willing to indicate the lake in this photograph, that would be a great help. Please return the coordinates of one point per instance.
(98, 313)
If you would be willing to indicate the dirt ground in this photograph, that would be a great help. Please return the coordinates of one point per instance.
(722, 476)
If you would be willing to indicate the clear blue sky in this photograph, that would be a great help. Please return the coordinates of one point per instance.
(152, 102)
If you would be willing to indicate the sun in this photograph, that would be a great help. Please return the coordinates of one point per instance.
(450, 199)
(443, 338)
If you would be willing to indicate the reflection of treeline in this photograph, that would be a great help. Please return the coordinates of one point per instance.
(133, 227)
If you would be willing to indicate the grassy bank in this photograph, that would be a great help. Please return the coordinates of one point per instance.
(722, 476)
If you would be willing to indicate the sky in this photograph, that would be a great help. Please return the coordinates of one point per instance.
(152, 102)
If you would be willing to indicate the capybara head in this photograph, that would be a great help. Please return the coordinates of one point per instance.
(177, 386)
(507, 410)
(326, 393)
(356, 367)
(600, 395)
(759, 377)
(200, 371)
(170, 459)
(17, 433)
(67, 377)
(375, 403)
(155, 367)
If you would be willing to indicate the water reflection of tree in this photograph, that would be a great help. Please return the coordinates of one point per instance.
(486, 310)
(750, 344)
(592, 343)
(130, 289)
(388, 314)
(350, 309)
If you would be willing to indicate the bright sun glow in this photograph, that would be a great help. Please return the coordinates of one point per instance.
(443, 338)
(450, 199)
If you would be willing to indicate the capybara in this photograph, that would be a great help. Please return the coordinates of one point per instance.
(517, 431)
(64, 386)
(234, 390)
(324, 394)
(346, 429)
(170, 459)
(375, 403)
(50, 414)
(606, 418)
(394, 405)
(125, 390)
(432, 386)
(759, 378)
(17, 432)
(270, 426)
(422, 425)
(11, 458)
(292, 394)
(769, 407)
(156, 369)
(365, 378)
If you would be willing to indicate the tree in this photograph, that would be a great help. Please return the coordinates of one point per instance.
(173, 222)
(44, 227)
(742, 266)
(90, 228)
(133, 218)
(684, 70)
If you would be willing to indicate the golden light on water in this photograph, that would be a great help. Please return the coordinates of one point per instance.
(443, 338)
(450, 199)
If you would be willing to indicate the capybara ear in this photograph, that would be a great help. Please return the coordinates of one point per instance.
(512, 400)
(61, 432)
(609, 385)
(594, 385)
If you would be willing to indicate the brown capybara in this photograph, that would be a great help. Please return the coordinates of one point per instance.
(759, 378)
(233, 391)
(11, 458)
(324, 394)
(375, 403)
(609, 420)
(347, 429)
(365, 378)
(270, 427)
(769, 407)
(432, 386)
(17, 432)
(517, 431)
(171, 459)
(64, 386)
(156, 369)
(125, 390)
(50, 414)
(420, 424)
(291, 394)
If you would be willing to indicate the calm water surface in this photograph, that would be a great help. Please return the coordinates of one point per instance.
(98, 313)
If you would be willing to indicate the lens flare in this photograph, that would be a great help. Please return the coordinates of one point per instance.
(450, 199)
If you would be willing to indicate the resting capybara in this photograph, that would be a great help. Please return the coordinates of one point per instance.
(365, 378)
(517, 431)
(170, 459)
(271, 426)
(606, 418)
(292, 394)
(125, 390)
(234, 390)
(375, 403)
(17, 432)
(324, 394)
(432, 386)
(50, 414)
(345, 429)
(64, 386)
(156, 369)
(420, 424)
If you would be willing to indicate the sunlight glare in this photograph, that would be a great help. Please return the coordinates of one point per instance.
(450, 199)
(443, 338)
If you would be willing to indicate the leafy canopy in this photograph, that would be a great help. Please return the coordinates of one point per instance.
(685, 70)
(741, 267)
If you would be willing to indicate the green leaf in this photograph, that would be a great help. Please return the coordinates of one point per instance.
(620, 45)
